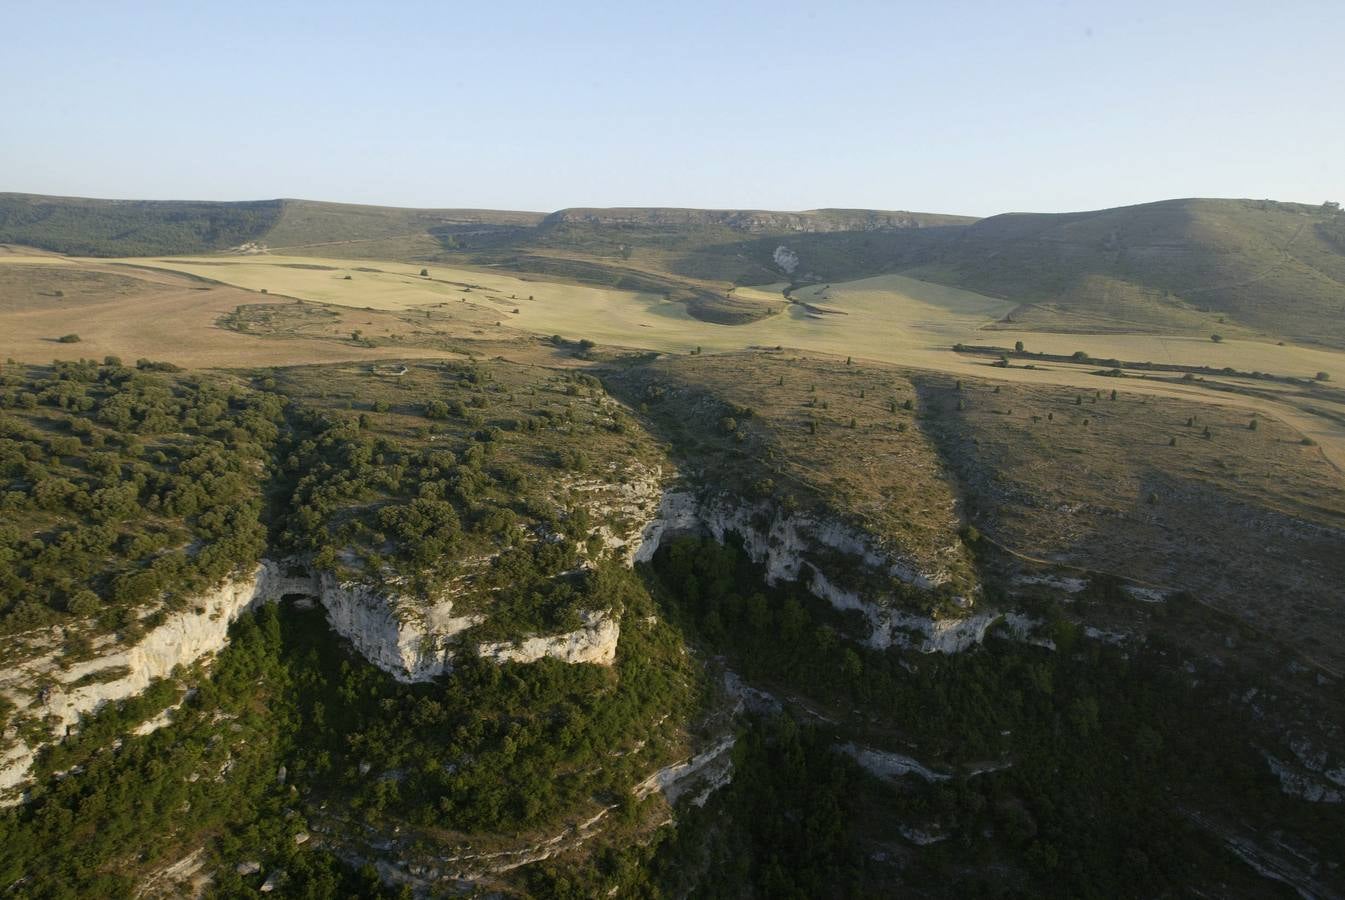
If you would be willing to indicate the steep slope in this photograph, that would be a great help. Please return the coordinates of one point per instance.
(1233, 509)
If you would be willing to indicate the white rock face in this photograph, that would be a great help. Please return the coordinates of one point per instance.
(886, 764)
(1298, 784)
(594, 642)
(708, 770)
(629, 505)
(782, 547)
(895, 628)
(410, 642)
(39, 687)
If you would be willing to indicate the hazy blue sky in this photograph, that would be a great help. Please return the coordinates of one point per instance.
(960, 107)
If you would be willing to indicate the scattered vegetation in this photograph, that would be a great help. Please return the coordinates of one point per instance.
(471, 474)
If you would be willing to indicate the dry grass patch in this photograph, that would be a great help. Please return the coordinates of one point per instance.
(1183, 495)
(809, 431)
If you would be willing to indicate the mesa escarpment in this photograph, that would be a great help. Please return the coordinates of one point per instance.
(1232, 508)
(754, 221)
(469, 547)
(903, 606)
(441, 623)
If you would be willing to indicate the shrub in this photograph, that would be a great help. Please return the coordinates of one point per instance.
(68, 339)
(571, 459)
(83, 603)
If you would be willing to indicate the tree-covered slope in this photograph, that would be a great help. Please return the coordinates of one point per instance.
(86, 227)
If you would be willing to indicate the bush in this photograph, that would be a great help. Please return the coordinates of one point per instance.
(68, 339)
(571, 459)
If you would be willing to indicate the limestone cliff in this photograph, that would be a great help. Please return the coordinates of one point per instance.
(409, 638)
(57, 697)
(822, 552)
(594, 642)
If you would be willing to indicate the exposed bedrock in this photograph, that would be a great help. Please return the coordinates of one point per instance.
(823, 554)
(410, 639)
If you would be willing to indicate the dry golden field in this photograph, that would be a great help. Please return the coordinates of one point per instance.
(246, 310)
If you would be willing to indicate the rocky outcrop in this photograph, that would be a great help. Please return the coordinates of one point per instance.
(40, 688)
(705, 773)
(888, 765)
(801, 547)
(781, 541)
(897, 628)
(410, 640)
(623, 504)
(594, 642)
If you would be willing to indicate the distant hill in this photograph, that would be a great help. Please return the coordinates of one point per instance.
(400, 231)
(1192, 266)
(90, 227)
(1274, 267)
(85, 227)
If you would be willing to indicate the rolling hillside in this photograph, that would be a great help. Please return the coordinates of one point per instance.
(1232, 267)
(1173, 265)
(92, 227)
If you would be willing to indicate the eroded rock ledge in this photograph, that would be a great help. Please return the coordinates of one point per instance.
(797, 546)
(410, 640)
(415, 639)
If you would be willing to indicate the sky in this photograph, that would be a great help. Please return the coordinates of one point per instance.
(956, 107)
